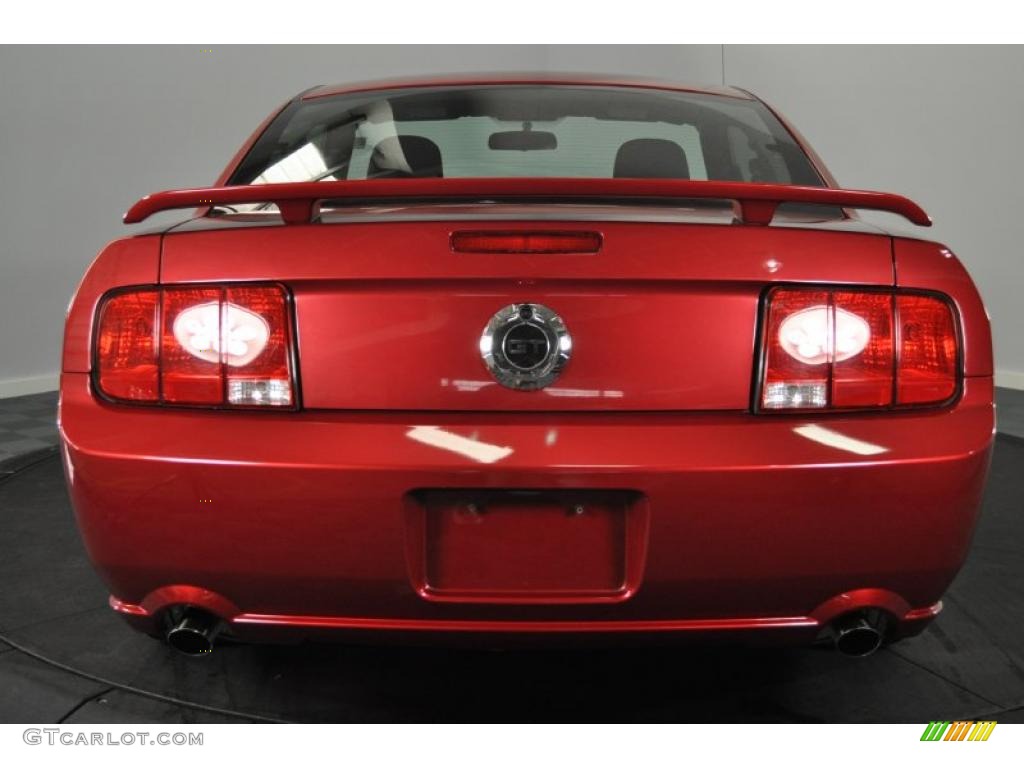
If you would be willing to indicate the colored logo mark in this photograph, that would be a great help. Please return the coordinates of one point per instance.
(958, 731)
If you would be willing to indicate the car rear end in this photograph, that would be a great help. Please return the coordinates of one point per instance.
(282, 430)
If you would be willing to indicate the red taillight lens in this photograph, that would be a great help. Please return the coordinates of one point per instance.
(837, 349)
(863, 379)
(126, 346)
(190, 365)
(796, 350)
(928, 350)
(212, 346)
(258, 367)
(526, 242)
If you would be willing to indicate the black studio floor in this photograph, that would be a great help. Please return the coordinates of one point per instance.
(75, 662)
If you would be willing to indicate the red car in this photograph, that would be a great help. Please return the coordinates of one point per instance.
(527, 356)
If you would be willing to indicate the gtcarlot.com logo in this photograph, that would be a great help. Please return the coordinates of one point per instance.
(70, 738)
(943, 730)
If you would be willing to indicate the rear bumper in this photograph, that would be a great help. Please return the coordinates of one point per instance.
(298, 524)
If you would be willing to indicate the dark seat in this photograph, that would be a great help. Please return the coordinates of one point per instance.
(651, 159)
(405, 157)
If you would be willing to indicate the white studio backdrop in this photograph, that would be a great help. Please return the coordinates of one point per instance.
(87, 130)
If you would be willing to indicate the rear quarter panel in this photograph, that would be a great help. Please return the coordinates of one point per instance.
(129, 261)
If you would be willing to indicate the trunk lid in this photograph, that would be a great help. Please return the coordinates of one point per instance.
(663, 317)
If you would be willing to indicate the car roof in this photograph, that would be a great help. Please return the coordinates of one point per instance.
(522, 78)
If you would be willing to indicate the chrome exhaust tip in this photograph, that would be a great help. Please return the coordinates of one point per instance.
(194, 633)
(859, 634)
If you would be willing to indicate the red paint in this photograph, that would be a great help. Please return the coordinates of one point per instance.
(794, 628)
(699, 515)
(662, 296)
(526, 78)
(484, 545)
(298, 202)
(307, 509)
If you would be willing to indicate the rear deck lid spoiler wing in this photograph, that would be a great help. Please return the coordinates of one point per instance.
(299, 202)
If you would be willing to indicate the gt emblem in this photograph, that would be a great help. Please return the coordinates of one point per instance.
(525, 346)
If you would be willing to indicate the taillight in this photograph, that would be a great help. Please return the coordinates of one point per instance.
(849, 349)
(188, 375)
(928, 350)
(206, 345)
(127, 344)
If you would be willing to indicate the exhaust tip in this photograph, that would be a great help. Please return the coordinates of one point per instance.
(862, 641)
(194, 633)
(859, 634)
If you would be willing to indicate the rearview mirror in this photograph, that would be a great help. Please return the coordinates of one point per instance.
(522, 141)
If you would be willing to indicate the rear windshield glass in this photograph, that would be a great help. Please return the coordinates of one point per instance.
(534, 130)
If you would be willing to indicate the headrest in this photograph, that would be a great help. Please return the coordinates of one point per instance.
(651, 159)
(405, 156)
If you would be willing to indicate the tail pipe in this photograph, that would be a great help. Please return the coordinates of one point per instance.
(860, 633)
(193, 632)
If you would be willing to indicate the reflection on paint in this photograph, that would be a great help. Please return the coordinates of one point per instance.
(436, 437)
(567, 392)
(68, 465)
(466, 385)
(838, 440)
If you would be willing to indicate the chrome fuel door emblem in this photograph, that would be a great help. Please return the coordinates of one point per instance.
(525, 346)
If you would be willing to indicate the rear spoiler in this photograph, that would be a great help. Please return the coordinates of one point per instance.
(299, 202)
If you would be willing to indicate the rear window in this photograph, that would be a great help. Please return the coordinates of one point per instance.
(533, 131)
